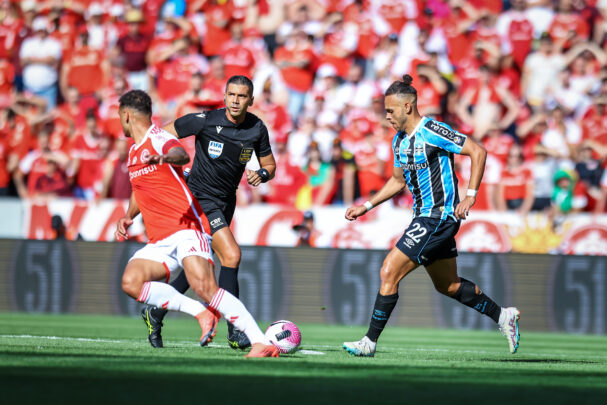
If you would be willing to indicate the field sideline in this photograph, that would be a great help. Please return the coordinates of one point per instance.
(104, 359)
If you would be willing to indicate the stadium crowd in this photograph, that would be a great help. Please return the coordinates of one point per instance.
(527, 78)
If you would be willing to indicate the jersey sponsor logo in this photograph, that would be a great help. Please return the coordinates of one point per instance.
(245, 155)
(416, 166)
(143, 171)
(445, 132)
(145, 155)
(218, 128)
(215, 149)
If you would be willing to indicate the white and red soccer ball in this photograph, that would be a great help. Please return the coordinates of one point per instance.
(285, 335)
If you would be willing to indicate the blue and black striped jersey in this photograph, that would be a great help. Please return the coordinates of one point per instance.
(426, 157)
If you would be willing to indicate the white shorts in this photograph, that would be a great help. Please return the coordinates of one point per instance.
(171, 250)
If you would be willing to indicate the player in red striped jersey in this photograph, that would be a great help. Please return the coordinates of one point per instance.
(177, 229)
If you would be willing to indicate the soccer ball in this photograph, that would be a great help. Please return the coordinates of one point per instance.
(285, 335)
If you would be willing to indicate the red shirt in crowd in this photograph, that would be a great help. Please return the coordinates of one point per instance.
(217, 32)
(515, 182)
(520, 34)
(237, 59)
(85, 71)
(299, 79)
(87, 148)
(7, 77)
(174, 75)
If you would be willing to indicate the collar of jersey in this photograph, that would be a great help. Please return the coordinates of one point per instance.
(145, 137)
(419, 124)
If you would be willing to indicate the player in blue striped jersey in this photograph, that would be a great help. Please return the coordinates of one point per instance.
(423, 161)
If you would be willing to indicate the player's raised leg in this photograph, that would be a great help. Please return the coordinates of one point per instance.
(139, 282)
(395, 267)
(202, 280)
(446, 281)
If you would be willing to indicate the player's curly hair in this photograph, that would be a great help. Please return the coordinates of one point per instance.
(402, 87)
(138, 100)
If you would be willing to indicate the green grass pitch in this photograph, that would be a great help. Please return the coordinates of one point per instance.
(81, 359)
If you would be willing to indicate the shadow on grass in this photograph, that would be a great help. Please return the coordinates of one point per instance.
(75, 386)
(544, 361)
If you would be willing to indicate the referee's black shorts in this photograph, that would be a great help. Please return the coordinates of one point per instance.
(219, 212)
(429, 239)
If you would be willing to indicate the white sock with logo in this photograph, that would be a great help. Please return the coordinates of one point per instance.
(232, 309)
(163, 295)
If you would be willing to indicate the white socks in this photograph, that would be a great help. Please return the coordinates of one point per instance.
(232, 309)
(163, 295)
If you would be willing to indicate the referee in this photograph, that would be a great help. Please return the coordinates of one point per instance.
(225, 141)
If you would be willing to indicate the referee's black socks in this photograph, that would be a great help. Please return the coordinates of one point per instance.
(228, 280)
(466, 294)
(384, 304)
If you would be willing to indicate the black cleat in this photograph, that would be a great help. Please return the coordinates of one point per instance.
(237, 339)
(154, 327)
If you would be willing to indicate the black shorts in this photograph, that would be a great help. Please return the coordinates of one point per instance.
(429, 239)
(218, 212)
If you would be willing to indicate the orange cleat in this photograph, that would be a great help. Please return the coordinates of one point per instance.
(208, 323)
(261, 350)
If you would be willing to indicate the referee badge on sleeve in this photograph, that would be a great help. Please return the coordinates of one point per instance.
(245, 155)
(215, 149)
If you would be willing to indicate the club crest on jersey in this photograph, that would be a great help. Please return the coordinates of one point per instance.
(215, 149)
(419, 150)
(145, 155)
(245, 155)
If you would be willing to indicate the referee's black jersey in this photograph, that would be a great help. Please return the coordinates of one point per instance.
(222, 150)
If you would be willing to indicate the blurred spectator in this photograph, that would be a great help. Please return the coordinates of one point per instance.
(589, 172)
(133, 47)
(515, 189)
(543, 168)
(516, 28)
(296, 60)
(40, 56)
(321, 179)
(103, 30)
(237, 58)
(568, 195)
(482, 104)
(567, 25)
(108, 110)
(174, 71)
(563, 133)
(274, 115)
(115, 171)
(58, 227)
(305, 230)
(89, 149)
(45, 170)
(85, 69)
(370, 153)
(430, 89)
(347, 188)
(299, 140)
(288, 179)
(7, 78)
(497, 143)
